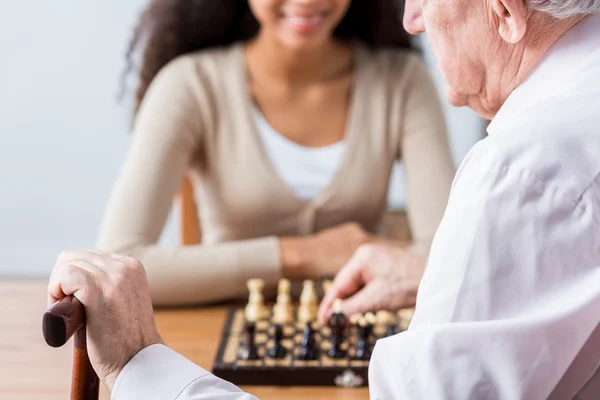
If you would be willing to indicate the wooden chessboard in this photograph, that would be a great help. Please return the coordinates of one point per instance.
(291, 371)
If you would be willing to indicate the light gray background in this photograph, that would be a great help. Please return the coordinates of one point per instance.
(63, 134)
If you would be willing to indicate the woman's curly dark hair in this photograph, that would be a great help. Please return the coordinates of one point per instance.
(170, 28)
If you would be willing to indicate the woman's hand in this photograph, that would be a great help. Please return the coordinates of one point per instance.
(323, 253)
(378, 277)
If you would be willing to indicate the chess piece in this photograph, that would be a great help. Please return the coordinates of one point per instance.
(248, 348)
(370, 319)
(309, 350)
(255, 309)
(278, 350)
(386, 319)
(283, 310)
(354, 318)
(405, 316)
(337, 323)
(363, 346)
(326, 281)
(307, 311)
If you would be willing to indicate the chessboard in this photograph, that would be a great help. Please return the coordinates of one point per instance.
(283, 344)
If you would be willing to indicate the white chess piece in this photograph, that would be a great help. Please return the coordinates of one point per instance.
(307, 311)
(282, 311)
(405, 315)
(255, 309)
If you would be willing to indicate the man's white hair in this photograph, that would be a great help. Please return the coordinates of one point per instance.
(565, 8)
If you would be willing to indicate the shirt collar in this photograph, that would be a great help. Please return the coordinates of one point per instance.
(552, 73)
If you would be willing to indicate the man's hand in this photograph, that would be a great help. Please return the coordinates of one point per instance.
(116, 296)
(378, 276)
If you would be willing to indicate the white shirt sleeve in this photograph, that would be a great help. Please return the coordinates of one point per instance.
(159, 373)
(510, 296)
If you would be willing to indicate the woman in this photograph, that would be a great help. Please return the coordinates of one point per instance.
(287, 115)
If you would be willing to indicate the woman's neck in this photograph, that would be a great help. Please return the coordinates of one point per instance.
(266, 55)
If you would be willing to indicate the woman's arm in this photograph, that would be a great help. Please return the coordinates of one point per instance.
(424, 148)
(167, 134)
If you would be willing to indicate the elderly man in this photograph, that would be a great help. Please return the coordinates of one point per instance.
(509, 306)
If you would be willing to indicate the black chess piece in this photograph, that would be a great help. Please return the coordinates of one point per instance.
(248, 348)
(278, 350)
(337, 323)
(309, 350)
(391, 330)
(363, 346)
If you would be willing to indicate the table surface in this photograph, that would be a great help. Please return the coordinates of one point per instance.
(30, 369)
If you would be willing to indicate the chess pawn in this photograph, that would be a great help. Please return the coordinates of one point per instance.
(307, 311)
(337, 323)
(326, 281)
(354, 318)
(385, 320)
(278, 350)
(255, 309)
(371, 320)
(309, 350)
(405, 315)
(363, 346)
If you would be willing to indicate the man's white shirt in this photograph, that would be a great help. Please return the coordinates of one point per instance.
(509, 306)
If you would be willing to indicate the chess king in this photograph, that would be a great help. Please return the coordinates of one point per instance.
(508, 306)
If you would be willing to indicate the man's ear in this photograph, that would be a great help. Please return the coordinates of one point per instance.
(512, 19)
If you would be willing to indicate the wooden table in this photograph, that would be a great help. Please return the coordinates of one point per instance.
(30, 369)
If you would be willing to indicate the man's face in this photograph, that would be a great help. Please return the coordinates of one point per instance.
(462, 41)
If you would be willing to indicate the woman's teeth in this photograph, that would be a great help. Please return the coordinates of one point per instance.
(307, 22)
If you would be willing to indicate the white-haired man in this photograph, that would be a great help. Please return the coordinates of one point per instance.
(509, 306)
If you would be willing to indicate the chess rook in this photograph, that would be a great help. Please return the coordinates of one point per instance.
(255, 309)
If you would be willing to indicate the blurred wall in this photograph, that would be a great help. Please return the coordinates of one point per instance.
(63, 134)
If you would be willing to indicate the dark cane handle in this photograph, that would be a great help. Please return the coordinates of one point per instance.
(60, 322)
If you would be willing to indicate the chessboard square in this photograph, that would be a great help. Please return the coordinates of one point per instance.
(326, 345)
(289, 331)
(287, 343)
(326, 331)
(262, 325)
(359, 363)
(261, 338)
(313, 363)
(298, 338)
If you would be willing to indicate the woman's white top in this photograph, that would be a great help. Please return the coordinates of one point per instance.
(305, 170)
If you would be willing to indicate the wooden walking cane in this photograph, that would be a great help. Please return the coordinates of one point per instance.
(60, 322)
